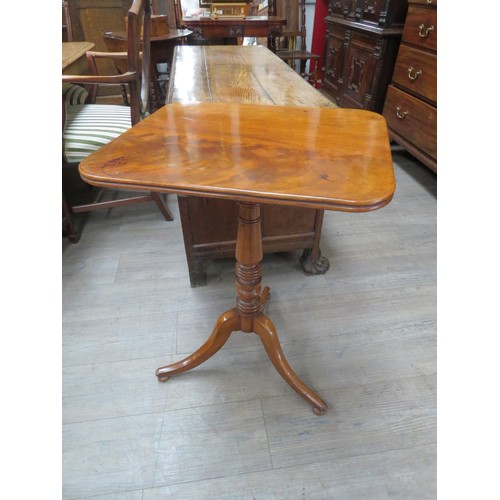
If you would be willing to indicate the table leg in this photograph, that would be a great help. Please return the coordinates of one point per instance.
(226, 324)
(266, 330)
(247, 316)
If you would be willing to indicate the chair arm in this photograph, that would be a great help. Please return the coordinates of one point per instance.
(99, 79)
(121, 56)
(113, 55)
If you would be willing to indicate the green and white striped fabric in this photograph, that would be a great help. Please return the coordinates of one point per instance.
(74, 94)
(91, 126)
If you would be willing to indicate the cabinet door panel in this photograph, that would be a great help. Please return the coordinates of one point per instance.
(371, 10)
(350, 9)
(359, 67)
(334, 60)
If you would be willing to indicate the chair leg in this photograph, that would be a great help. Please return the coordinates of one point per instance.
(158, 199)
(315, 72)
(67, 222)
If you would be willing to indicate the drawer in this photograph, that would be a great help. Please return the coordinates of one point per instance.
(421, 27)
(413, 119)
(416, 71)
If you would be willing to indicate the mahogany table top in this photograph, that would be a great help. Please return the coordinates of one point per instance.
(324, 158)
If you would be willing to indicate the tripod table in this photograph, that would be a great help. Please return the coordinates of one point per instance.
(324, 158)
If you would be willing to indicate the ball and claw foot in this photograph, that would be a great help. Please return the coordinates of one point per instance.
(313, 265)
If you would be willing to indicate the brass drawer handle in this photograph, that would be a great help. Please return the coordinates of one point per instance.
(423, 31)
(399, 114)
(412, 74)
(429, 2)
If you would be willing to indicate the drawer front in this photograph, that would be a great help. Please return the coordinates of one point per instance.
(413, 119)
(416, 71)
(421, 27)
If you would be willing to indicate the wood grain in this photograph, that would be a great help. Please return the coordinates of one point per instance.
(341, 158)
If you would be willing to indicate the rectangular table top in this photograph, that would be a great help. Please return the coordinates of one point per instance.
(324, 158)
(239, 74)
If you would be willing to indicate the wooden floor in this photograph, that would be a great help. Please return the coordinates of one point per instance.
(363, 336)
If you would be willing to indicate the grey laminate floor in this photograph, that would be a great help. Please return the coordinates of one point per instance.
(363, 336)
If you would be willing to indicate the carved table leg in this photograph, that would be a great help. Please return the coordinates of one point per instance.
(226, 324)
(266, 330)
(311, 260)
(247, 316)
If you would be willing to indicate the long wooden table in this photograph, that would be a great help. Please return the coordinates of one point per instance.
(247, 75)
(332, 159)
(204, 28)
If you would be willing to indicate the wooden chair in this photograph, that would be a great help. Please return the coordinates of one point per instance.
(88, 126)
(296, 28)
(66, 23)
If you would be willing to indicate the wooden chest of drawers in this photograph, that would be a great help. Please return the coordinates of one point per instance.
(411, 104)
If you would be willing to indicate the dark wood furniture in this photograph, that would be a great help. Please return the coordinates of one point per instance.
(411, 104)
(362, 41)
(137, 80)
(162, 51)
(175, 149)
(243, 74)
(205, 29)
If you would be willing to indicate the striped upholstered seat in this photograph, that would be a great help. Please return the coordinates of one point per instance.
(88, 127)
(74, 94)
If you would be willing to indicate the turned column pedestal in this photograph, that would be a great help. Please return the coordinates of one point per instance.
(247, 316)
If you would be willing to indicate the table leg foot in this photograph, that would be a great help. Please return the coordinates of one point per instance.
(226, 324)
(320, 411)
(266, 330)
(314, 263)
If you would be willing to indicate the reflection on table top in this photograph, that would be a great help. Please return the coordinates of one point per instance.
(323, 158)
